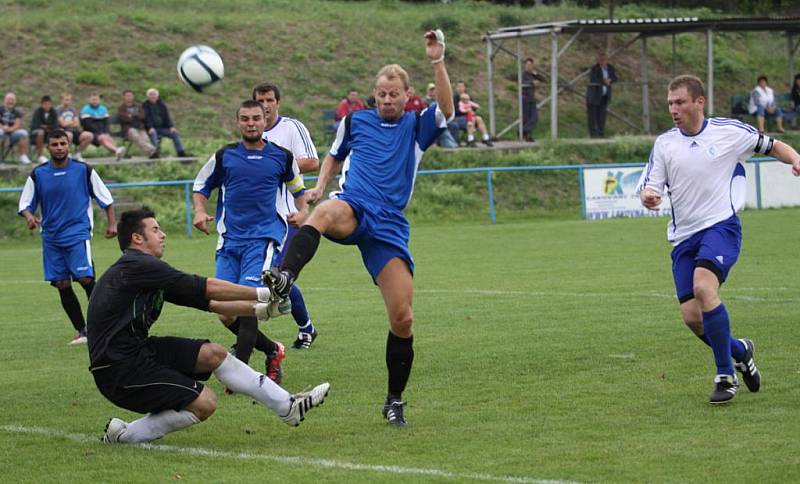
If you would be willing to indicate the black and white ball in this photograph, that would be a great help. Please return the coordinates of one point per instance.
(200, 66)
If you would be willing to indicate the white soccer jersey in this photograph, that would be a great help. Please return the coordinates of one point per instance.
(703, 174)
(292, 135)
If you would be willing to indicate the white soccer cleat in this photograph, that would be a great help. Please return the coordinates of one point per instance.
(25, 160)
(120, 152)
(114, 429)
(78, 339)
(303, 402)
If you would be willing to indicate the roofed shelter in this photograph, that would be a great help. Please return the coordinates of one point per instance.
(643, 28)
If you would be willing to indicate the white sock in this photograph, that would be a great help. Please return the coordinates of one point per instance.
(308, 327)
(240, 378)
(156, 425)
(470, 137)
(485, 137)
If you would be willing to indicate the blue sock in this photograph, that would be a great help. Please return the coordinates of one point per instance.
(299, 311)
(737, 349)
(717, 328)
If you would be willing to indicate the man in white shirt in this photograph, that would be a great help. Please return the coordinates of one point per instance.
(292, 135)
(700, 162)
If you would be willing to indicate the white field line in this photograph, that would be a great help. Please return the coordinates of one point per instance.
(292, 460)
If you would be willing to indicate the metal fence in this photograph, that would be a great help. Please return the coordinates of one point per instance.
(490, 171)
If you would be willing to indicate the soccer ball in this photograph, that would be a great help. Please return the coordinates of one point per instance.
(200, 66)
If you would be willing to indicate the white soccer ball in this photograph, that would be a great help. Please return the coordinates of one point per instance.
(200, 66)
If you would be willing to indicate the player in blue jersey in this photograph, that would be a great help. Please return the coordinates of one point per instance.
(700, 162)
(378, 152)
(292, 135)
(64, 188)
(249, 175)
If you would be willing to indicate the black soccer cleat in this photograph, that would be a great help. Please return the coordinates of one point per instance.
(393, 412)
(304, 340)
(747, 367)
(278, 282)
(725, 387)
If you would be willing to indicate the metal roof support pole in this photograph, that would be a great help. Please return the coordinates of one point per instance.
(710, 82)
(790, 56)
(519, 87)
(490, 76)
(672, 66)
(645, 88)
(554, 84)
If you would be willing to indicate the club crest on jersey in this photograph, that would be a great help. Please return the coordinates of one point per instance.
(712, 151)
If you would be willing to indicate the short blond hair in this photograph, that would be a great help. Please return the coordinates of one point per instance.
(393, 71)
(694, 86)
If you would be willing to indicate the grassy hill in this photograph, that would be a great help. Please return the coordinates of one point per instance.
(316, 50)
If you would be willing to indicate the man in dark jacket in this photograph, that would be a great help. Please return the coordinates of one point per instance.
(131, 123)
(159, 124)
(43, 121)
(598, 95)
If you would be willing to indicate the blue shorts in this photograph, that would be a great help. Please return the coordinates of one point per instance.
(381, 235)
(242, 262)
(715, 248)
(65, 262)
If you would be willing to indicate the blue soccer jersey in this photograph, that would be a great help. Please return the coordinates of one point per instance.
(381, 157)
(248, 181)
(64, 195)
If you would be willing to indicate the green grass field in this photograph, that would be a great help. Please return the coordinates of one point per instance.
(544, 351)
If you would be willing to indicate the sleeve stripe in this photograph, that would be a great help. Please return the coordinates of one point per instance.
(295, 185)
(204, 174)
(101, 192)
(26, 198)
(311, 150)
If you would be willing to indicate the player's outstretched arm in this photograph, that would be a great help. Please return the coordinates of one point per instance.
(219, 290)
(788, 155)
(201, 216)
(330, 168)
(434, 49)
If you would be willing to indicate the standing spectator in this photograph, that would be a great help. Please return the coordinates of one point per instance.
(530, 113)
(70, 121)
(598, 95)
(414, 103)
(11, 127)
(460, 120)
(349, 104)
(95, 119)
(131, 121)
(64, 190)
(159, 123)
(43, 121)
(762, 104)
(796, 93)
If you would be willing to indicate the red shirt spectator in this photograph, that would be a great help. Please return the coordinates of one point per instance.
(348, 105)
(414, 103)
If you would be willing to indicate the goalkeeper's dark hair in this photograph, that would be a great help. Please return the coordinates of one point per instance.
(131, 223)
(265, 88)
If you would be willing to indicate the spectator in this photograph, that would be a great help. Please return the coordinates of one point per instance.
(159, 123)
(430, 94)
(460, 120)
(70, 121)
(414, 103)
(796, 93)
(370, 102)
(598, 95)
(762, 104)
(11, 127)
(468, 107)
(95, 119)
(131, 122)
(43, 121)
(349, 104)
(530, 113)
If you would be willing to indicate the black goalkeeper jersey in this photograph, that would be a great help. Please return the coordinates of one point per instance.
(127, 300)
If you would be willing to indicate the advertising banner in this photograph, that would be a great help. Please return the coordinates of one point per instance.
(610, 192)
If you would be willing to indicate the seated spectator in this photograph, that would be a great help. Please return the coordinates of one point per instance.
(70, 121)
(445, 140)
(796, 93)
(414, 103)
(11, 127)
(371, 102)
(131, 122)
(430, 94)
(468, 107)
(349, 104)
(762, 104)
(159, 123)
(460, 120)
(43, 121)
(95, 119)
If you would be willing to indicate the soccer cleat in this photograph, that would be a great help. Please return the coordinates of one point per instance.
(119, 153)
(393, 412)
(304, 340)
(747, 367)
(78, 339)
(273, 363)
(725, 387)
(24, 159)
(278, 282)
(114, 429)
(303, 402)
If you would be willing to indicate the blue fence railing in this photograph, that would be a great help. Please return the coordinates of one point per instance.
(490, 171)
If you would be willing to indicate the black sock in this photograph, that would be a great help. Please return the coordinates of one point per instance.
(88, 288)
(702, 337)
(300, 251)
(73, 308)
(245, 337)
(263, 344)
(399, 357)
